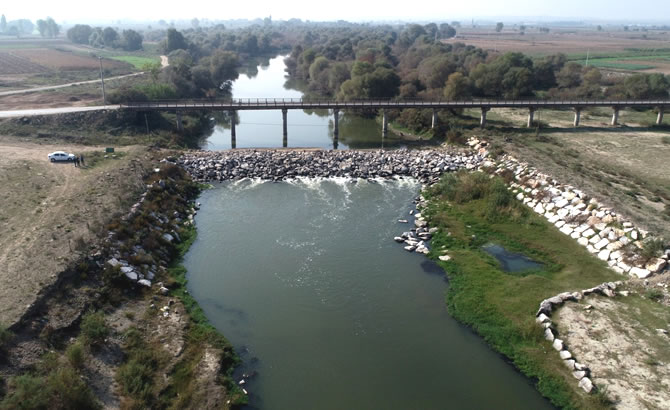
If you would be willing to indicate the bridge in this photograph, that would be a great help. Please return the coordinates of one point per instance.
(285, 104)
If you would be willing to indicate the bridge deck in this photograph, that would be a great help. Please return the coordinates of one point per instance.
(291, 104)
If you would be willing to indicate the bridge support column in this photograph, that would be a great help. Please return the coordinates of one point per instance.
(336, 126)
(180, 124)
(482, 119)
(284, 112)
(385, 124)
(531, 115)
(615, 116)
(233, 136)
(659, 119)
(578, 115)
(434, 121)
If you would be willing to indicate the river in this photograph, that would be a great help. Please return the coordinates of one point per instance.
(305, 280)
(306, 128)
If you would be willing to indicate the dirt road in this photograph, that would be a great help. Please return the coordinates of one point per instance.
(54, 87)
(58, 110)
(51, 212)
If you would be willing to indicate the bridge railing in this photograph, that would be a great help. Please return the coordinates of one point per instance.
(241, 103)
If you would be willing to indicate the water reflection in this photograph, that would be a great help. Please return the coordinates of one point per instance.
(266, 78)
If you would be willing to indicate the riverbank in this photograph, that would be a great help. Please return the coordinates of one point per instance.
(471, 211)
(121, 330)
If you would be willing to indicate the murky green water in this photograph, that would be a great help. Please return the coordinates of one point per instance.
(306, 281)
(306, 128)
(511, 262)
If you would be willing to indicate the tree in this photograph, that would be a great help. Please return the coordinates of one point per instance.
(499, 26)
(53, 29)
(447, 31)
(80, 33)
(42, 27)
(175, 41)
(3, 24)
(131, 40)
(457, 87)
(625, 28)
(599, 27)
(569, 76)
(109, 36)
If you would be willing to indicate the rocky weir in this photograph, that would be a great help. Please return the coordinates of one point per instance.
(425, 166)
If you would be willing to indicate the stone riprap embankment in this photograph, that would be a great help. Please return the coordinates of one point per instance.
(603, 232)
(424, 165)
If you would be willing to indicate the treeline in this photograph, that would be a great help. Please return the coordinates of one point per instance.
(47, 28)
(412, 62)
(129, 40)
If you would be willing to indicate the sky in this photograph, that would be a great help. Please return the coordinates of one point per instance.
(73, 11)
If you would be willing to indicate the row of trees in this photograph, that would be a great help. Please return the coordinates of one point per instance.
(16, 27)
(129, 40)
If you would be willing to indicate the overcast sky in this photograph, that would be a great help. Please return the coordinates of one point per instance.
(351, 10)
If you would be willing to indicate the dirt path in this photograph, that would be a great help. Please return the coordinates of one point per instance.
(56, 110)
(50, 212)
(54, 87)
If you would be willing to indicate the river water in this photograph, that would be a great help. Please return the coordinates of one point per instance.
(306, 128)
(305, 280)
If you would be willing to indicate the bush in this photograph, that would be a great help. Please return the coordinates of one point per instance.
(652, 248)
(93, 328)
(5, 337)
(28, 392)
(69, 391)
(76, 355)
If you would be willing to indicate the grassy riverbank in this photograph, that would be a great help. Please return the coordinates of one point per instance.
(472, 210)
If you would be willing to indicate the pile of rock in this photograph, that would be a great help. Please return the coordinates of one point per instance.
(424, 165)
(148, 263)
(598, 228)
(543, 316)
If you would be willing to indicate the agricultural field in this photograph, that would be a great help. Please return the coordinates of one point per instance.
(63, 60)
(136, 61)
(34, 62)
(609, 49)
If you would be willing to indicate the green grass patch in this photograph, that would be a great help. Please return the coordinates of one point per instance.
(476, 210)
(136, 61)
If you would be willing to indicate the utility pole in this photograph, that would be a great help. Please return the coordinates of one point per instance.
(102, 81)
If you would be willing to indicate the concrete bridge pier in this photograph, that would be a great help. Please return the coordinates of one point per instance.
(615, 116)
(336, 121)
(336, 127)
(233, 136)
(578, 116)
(180, 124)
(482, 120)
(434, 121)
(659, 119)
(385, 124)
(284, 112)
(531, 115)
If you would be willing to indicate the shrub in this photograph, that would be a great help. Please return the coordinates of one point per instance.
(76, 355)
(5, 337)
(93, 328)
(654, 294)
(28, 392)
(456, 137)
(69, 391)
(651, 248)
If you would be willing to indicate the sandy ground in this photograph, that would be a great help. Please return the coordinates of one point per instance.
(619, 341)
(50, 212)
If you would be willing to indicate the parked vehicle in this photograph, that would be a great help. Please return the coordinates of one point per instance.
(60, 156)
